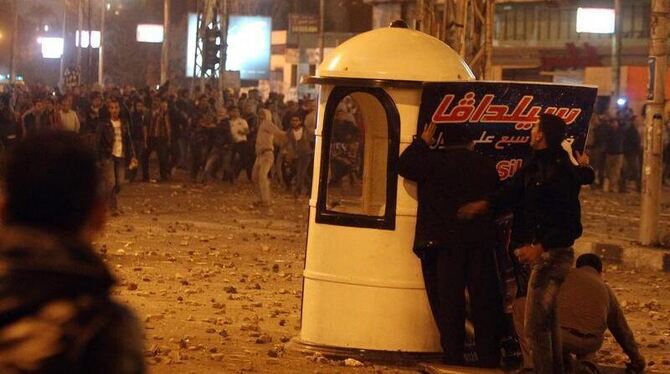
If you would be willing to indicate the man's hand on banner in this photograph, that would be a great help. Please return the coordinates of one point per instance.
(428, 133)
(583, 159)
(473, 209)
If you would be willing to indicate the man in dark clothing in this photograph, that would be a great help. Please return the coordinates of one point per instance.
(157, 135)
(456, 254)
(139, 119)
(203, 121)
(613, 155)
(56, 311)
(93, 119)
(36, 120)
(632, 149)
(113, 146)
(9, 128)
(544, 197)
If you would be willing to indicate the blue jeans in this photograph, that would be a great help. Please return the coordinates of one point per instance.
(542, 327)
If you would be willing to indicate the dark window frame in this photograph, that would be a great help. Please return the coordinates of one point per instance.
(388, 220)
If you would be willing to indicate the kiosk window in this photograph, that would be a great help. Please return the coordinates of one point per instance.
(358, 180)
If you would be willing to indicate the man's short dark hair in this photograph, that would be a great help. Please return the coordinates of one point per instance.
(553, 127)
(590, 259)
(51, 182)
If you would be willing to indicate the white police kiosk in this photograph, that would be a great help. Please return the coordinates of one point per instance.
(363, 293)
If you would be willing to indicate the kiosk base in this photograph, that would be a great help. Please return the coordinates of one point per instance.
(398, 358)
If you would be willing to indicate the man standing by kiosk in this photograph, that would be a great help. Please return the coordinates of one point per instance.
(544, 197)
(456, 254)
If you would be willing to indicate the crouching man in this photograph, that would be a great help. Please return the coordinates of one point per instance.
(56, 312)
(587, 307)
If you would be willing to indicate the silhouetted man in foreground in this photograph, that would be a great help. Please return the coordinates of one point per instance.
(56, 313)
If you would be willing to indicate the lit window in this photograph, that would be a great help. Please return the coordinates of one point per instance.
(595, 20)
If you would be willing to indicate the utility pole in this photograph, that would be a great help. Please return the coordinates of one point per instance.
(650, 208)
(15, 42)
(420, 15)
(89, 56)
(488, 42)
(223, 47)
(165, 50)
(62, 56)
(80, 27)
(322, 31)
(101, 53)
(616, 56)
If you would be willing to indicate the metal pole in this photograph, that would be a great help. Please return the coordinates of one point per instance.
(101, 53)
(488, 43)
(420, 13)
(62, 56)
(653, 131)
(165, 54)
(322, 31)
(445, 21)
(15, 36)
(80, 27)
(88, 50)
(223, 48)
(616, 55)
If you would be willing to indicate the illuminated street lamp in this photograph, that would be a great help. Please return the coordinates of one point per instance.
(149, 33)
(52, 47)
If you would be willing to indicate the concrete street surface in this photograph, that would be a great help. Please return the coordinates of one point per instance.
(217, 283)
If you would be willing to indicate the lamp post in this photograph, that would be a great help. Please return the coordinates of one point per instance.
(165, 54)
(101, 54)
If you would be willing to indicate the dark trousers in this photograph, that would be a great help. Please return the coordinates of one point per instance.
(242, 159)
(175, 153)
(447, 272)
(160, 146)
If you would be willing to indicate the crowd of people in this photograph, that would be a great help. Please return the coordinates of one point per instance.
(212, 134)
(615, 145)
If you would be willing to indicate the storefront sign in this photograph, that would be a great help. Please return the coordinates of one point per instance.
(500, 115)
(571, 58)
(303, 23)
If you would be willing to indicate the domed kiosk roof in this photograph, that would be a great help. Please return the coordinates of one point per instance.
(395, 53)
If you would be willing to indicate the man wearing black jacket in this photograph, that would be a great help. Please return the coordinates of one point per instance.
(544, 197)
(456, 254)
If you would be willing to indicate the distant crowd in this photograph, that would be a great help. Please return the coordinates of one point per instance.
(615, 145)
(213, 134)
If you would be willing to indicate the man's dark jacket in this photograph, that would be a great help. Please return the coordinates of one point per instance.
(105, 140)
(446, 180)
(544, 197)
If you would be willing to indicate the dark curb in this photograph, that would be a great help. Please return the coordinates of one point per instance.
(629, 255)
